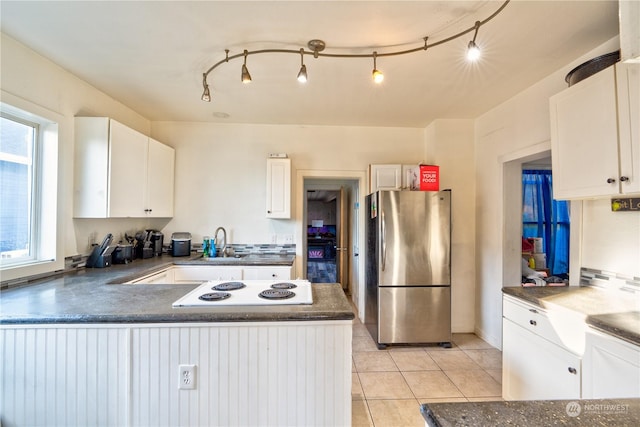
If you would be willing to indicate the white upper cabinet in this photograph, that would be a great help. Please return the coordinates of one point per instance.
(279, 188)
(120, 172)
(385, 177)
(160, 176)
(595, 139)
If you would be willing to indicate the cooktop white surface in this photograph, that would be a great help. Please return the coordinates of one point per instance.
(249, 294)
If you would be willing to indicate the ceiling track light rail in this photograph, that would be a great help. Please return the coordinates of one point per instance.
(316, 48)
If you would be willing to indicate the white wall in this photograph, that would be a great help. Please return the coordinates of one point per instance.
(37, 80)
(519, 125)
(221, 169)
(450, 144)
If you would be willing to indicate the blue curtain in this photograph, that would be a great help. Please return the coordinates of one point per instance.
(546, 218)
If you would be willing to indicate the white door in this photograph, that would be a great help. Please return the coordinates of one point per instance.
(160, 176)
(127, 171)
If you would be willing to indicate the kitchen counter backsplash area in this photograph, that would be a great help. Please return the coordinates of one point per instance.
(608, 280)
(255, 248)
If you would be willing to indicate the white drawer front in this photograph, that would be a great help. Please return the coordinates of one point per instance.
(559, 326)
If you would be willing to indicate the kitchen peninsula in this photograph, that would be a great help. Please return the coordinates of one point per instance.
(81, 349)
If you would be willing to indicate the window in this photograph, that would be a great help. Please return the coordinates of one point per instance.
(544, 217)
(17, 160)
(28, 192)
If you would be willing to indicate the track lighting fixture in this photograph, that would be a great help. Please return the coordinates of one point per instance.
(377, 75)
(206, 95)
(302, 74)
(473, 51)
(317, 50)
(246, 77)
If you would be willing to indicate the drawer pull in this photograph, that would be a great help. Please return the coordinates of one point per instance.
(533, 322)
(573, 370)
(533, 310)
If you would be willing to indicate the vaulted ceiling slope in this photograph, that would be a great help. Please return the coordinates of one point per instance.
(150, 55)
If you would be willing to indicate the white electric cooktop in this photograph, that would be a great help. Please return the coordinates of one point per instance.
(248, 292)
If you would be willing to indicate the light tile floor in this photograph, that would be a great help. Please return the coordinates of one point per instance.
(389, 385)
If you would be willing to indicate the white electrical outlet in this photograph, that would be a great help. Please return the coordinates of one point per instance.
(187, 377)
(288, 239)
(274, 239)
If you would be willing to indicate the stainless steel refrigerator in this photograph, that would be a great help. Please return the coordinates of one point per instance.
(408, 267)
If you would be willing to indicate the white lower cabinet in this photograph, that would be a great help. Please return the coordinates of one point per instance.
(267, 273)
(611, 367)
(194, 274)
(535, 364)
(198, 274)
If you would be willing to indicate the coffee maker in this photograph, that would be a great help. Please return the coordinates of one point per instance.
(156, 238)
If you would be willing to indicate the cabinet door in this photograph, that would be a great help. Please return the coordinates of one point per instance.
(197, 274)
(127, 171)
(628, 82)
(611, 368)
(267, 273)
(279, 188)
(385, 177)
(160, 177)
(584, 138)
(91, 167)
(536, 369)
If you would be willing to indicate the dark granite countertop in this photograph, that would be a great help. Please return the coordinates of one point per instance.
(533, 413)
(612, 311)
(89, 296)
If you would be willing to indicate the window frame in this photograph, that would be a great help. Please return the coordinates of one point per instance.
(46, 222)
(35, 188)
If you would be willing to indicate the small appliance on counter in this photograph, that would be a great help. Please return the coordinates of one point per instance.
(101, 255)
(181, 244)
(143, 245)
(156, 238)
(123, 253)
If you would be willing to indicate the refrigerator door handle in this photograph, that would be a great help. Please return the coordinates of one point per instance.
(384, 240)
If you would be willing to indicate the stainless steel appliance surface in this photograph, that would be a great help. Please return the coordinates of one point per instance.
(248, 292)
(408, 267)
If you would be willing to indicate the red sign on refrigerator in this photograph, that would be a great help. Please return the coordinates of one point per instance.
(429, 178)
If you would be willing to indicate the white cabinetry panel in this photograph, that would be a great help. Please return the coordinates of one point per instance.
(64, 377)
(594, 135)
(536, 362)
(120, 172)
(279, 188)
(385, 177)
(611, 367)
(267, 273)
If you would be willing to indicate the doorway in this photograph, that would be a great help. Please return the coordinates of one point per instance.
(331, 230)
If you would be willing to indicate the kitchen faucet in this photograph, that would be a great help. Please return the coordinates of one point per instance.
(224, 242)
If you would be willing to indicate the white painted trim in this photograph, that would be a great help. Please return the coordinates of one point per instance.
(361, 177)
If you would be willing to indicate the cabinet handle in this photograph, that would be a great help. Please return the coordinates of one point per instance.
(533, 310)
(611, 181)
(573, 370)
(533, 322)
(624, 178)
(274, 275)
(268, 212)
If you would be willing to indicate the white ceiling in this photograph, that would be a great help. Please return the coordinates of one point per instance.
(150, 55)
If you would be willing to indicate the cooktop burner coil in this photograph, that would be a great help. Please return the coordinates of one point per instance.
(284, 285)
(276, 294)
(214, 296)
(229, 286)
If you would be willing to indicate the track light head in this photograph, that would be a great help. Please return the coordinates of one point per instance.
(377, 75)
(206, 95)
(473, 51)
(246, 77)
(302, 74)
